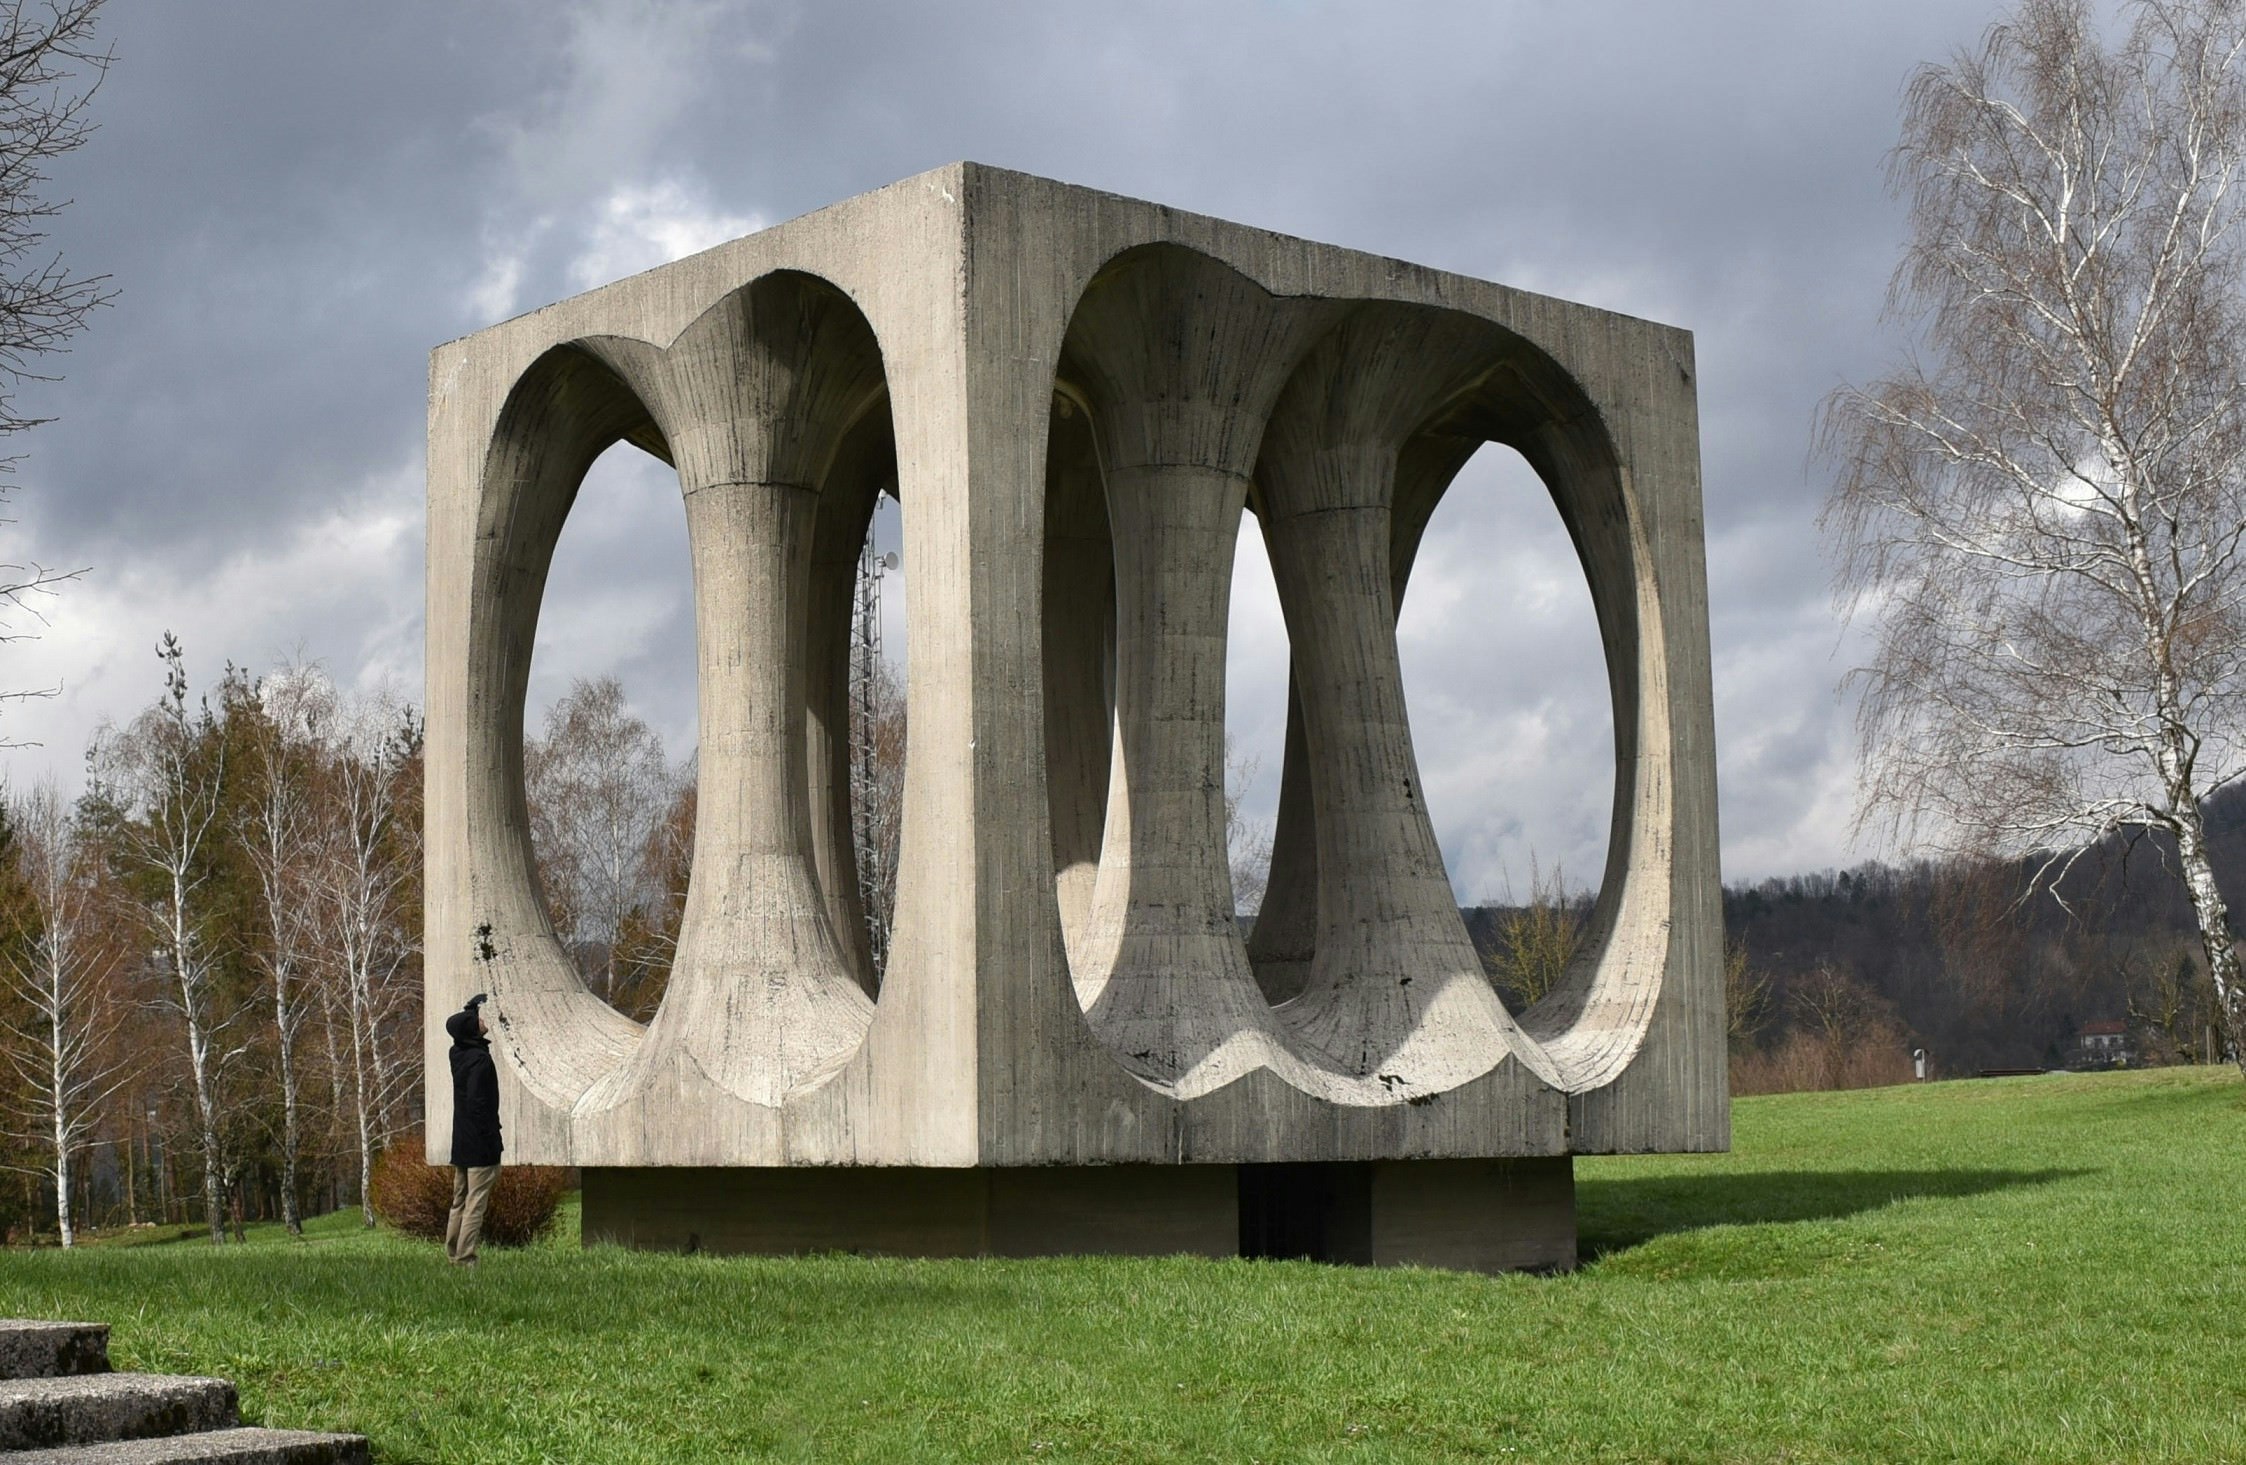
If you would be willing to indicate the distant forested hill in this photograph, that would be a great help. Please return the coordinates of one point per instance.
(1967, 961)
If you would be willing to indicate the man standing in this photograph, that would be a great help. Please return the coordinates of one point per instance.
(475, 1130)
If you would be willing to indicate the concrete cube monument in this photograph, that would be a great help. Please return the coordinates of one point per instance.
(1076, 398)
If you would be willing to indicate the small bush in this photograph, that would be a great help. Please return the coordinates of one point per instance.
(415, 1196)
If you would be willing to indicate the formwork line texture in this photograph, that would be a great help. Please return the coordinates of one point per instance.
(1077, 400)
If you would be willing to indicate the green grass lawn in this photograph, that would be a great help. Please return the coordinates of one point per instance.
(2005, 1270)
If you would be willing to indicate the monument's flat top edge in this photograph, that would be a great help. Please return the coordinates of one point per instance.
(967, 168)
(958, 174)
(929, 177)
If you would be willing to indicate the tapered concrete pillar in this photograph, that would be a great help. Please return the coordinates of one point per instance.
(1395, 987)
(1180, 358)
(1079, 636)
(1285, 935)
(754, 399)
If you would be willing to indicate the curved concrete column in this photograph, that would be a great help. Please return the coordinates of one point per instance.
(754, 399)
(1592, 1024)
(1395, 991)
(1594, 1021)
(560, 415)
(1079, 635)
(864, 466)
(1285, 935)
(1180, 358)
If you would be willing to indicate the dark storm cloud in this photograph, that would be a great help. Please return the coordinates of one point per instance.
(298, 201)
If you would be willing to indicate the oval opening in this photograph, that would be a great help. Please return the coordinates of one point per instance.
(610, 726)
(1512, 721)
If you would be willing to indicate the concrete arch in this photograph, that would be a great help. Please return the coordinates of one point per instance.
(757, 398)
(766, 400)
(1393, 991)
(1501, 389)
(564, 411)
(1177, 359)
(1377, 408)
(1079, 658)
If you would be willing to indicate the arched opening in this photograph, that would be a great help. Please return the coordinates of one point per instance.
(609, 729)
(1512, 720)
(1359, 976)
(767, 405)
(1168, 369)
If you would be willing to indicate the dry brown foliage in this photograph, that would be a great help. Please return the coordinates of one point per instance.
(414, 1196)
(1538, 941)
(1806, 1061)
(1845, 1036)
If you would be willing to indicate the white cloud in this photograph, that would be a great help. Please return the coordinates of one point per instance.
(493, 295)
(343, 586)
(637, 228)
(630, 72)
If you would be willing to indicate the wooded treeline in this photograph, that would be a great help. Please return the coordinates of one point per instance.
(1834, 978)
(1981, 964)
(210, 963)
(209, 960)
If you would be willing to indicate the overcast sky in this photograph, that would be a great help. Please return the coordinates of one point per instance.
(296, 202)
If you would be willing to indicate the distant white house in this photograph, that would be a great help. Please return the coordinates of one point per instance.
(2103, 1044)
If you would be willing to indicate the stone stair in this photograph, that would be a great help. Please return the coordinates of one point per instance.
(61, 1405)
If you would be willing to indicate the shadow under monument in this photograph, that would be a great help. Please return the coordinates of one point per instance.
(1615, 1215)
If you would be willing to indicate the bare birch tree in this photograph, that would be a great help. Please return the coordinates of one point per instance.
(1247, 841)
(877, 796)
(166, 775)
(373, 856)
(602, 787)
(649, 943)
(2043, 508)
(56, 974)
(280, 830)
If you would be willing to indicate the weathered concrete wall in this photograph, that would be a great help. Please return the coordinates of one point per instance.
(1076, 396)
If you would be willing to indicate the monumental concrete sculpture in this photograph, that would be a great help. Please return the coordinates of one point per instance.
(1075, 399)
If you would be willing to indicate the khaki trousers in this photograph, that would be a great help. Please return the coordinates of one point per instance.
(471, 1197)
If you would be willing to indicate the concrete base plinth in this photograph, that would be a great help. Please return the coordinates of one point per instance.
(1464, 1215)
(1123, 1210)
(1467, 1215)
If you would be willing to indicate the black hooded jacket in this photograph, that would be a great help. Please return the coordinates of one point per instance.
(475, 1094)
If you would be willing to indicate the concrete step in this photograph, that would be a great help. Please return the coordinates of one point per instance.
(92, 1408)
(31, 1348)
(213, 1447)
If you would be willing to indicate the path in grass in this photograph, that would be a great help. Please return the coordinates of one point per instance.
(2008, 1270)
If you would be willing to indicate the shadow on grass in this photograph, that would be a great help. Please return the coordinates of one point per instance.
(1614, 1215)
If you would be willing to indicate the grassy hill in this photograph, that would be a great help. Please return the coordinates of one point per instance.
(2008, 1270)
